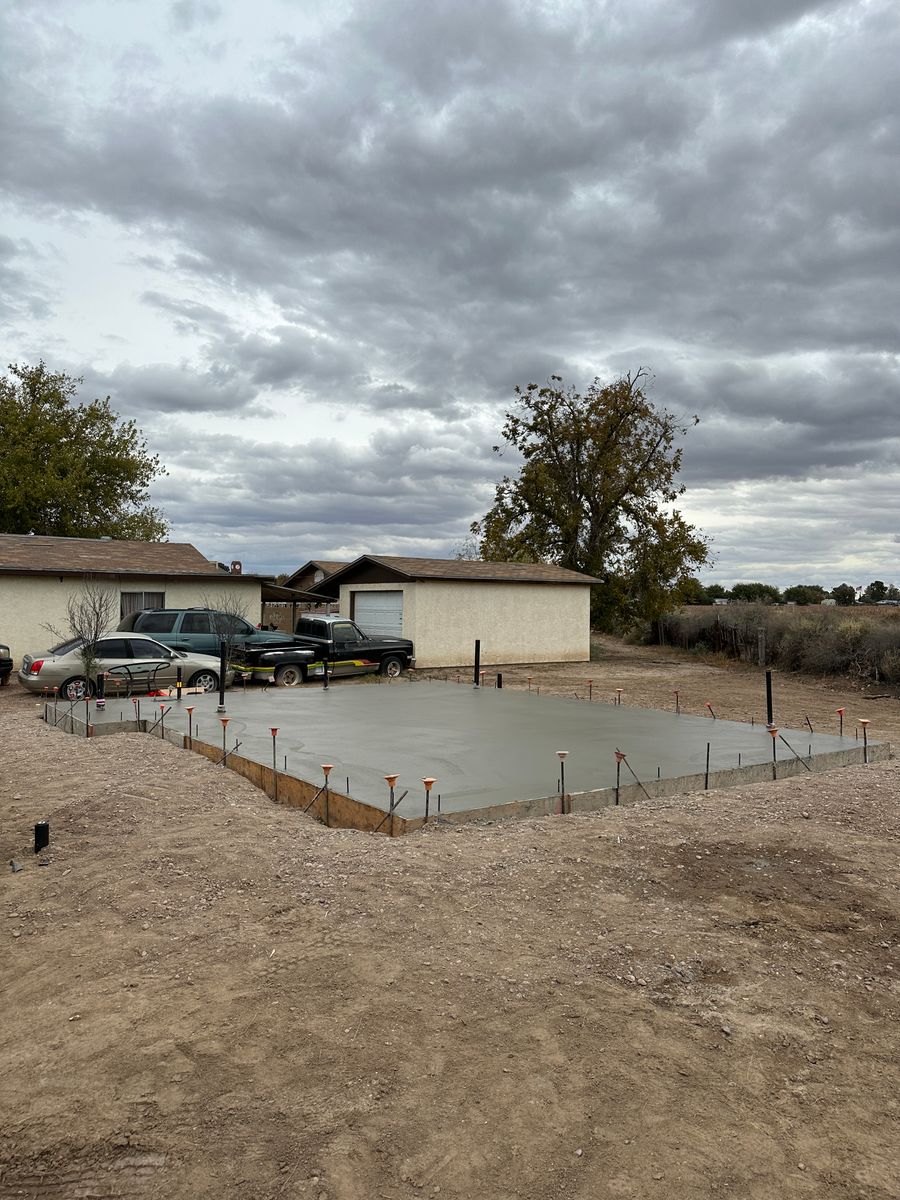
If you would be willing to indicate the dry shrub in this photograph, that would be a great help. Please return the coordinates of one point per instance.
(817, 642)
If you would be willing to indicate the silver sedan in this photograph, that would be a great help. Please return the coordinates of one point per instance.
(129, 661)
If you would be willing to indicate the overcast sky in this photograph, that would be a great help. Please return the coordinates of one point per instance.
(312, 245)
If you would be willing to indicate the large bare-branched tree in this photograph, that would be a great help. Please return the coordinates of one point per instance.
(596, 493)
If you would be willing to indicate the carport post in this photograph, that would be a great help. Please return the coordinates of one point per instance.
(223, 655)
(477, 672)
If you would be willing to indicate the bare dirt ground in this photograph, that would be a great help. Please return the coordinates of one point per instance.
(207, 995)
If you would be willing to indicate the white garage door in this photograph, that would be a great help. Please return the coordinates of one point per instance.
(379, 612)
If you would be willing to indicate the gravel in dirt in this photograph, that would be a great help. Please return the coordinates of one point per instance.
(208, 995)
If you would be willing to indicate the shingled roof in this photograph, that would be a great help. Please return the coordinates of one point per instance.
(460, 569)
(24, 554)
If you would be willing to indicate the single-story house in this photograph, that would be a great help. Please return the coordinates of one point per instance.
(520, 612)
(39, 575)
(312, 573)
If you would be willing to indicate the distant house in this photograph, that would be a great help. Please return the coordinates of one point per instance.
(312, 573)
(38, 576)
(521, 612)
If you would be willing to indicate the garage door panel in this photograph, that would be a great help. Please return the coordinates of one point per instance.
(379, 613)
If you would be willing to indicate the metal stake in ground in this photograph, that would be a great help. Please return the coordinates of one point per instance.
(709, 707)
(677, 703)
(476, 676)
(865, 726)
(632, 772)
(274, 732)
(562, 755)
(189, 712)
(769, 718)
(620, 758)
(224, 721)
(327, 768)
(774, 733)
(429, 782)
(391, 781)
(840, 713)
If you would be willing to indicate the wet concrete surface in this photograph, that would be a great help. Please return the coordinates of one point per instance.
(484, 746)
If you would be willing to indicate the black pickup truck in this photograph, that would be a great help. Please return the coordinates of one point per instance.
(330, 640)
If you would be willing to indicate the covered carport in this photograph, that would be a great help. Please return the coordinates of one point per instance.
(288, 602)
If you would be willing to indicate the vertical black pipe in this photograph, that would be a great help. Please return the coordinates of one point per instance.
(499, 679)
(706, 780)
(41, 836)
(769, 720)
(179, 681)
(325, 669)
(477, 672)
(223, 655)
(618, 777)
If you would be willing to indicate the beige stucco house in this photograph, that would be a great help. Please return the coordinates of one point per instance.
(38, 576)
(520, 612)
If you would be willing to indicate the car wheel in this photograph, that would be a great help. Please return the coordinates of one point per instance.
(208, 680)
(76, 688)
(290, 675)
(392, 667)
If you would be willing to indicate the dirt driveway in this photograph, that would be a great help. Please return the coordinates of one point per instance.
(207, 995)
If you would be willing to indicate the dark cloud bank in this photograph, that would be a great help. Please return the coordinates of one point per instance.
(439, 201)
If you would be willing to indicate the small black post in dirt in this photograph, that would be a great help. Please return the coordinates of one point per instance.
(476, 675)
(840, 713)
(865, 728)
(190, 736)
(706, 778)
(179, 682)
(809, 723)
(41, 836)
(223, 656)
(677, 703)
(769, 717)
(224, 721)
(774, 733)
(590, 684)
(620, 758)
(499, 679)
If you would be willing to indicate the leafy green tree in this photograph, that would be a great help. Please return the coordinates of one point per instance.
(756, 593)
(804, 593)
(876, 591)
(71, 469)
(715, 591)
(595, 494)
(844, 594)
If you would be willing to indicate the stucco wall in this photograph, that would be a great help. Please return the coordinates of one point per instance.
(516, 622)
(30, 602)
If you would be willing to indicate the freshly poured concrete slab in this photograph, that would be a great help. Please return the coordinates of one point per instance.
(485, 747)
